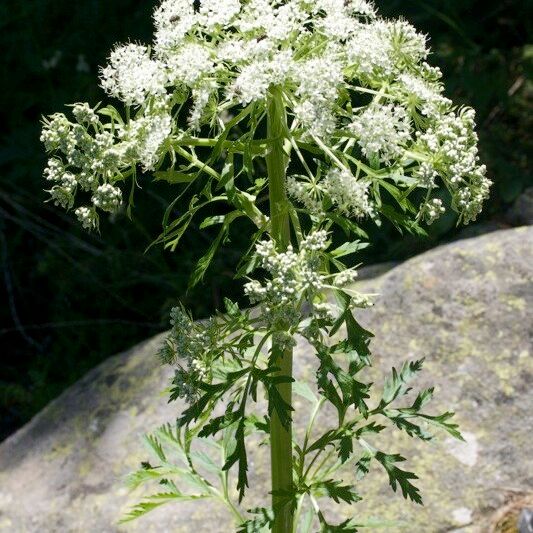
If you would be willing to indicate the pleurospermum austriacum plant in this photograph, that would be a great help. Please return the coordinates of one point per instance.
(297, 116)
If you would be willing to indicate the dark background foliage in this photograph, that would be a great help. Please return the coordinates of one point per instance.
(70, 299)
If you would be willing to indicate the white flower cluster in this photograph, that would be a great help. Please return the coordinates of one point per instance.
(107, 197)
(452, 143)
(132, 75)
(432, 210)
(350, 81)
(382, 131)
(426, 96)
(347, 194)
(189, 346)
(294, 277)
(350, 195)
(295, 281)
(90, 157)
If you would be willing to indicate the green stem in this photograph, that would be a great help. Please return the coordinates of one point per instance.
(280, 436)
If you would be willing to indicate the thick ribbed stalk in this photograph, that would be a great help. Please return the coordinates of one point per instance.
(280, 436)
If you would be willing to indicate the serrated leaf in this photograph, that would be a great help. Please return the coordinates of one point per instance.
(441, 421)
(348, 526)
(156, 500)
(412, 429)
(398, 384)
(207, 258)
(279, 405)
(345, 448)
(362, 467)
(239, 456)
(369, 428)
(260, 523)
(205, 461)
(155, 446)
(399, 477)
(336, 491)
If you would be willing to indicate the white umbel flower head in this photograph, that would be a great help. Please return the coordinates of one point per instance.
(132, 75)
(361, 101)
(382, 131)
(350, 195)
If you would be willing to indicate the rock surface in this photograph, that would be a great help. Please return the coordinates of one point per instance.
(466, 306)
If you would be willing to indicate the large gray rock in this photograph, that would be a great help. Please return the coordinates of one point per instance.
(466, 306)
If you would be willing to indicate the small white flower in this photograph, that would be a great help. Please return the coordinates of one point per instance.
(85, 114)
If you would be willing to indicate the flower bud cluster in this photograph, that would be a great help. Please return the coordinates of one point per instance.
(294, 277)
(452, 143)
(296, 282)
(91, 157)
(190, 346)
(432, 210)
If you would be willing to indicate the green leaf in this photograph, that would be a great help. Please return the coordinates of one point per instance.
(245, 203)
(174, 176)
(336, 491)
(144, 475)
(262, 523)
(348, 526)
(349, 248)
(154, 444)
(423, 398)
(217, 149)
(228, 172)
(369, 428)
(362, 467)
(304, 390)
(412, 429)
(239, 456)
(156, 500)
(232, 308)
(205, 461)
(212, 221)
(398, 384)
(219, 423)
(207, 258)
(402, 221)
(278, 404)
(112, 113)
(441, 421)
(307, 521)
(358, 338)
(345, 448)
(398, 476)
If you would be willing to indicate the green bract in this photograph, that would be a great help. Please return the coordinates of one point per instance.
(334, 115)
